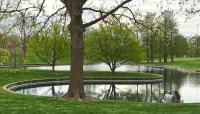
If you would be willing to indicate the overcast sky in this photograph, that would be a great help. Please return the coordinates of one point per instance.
(186, 27)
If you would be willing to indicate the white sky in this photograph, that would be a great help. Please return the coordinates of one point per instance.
(187, 28)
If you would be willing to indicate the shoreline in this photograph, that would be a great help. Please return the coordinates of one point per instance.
(185, 70)
(64, 81)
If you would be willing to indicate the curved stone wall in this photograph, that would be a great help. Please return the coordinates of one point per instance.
(63, 81)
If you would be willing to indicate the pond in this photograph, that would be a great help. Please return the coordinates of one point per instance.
(188, 85)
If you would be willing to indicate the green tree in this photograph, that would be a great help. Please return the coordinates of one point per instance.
(4, 55)
(194, 46)
(181, 47)
(51, 45)
(114, 45)
(148, 34)
(26, 28)
(168, 26)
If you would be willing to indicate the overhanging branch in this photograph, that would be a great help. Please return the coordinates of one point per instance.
(94, 10)
(106, 14)
(17, 10)
(133, 16)
(47, 20)
(41, 8)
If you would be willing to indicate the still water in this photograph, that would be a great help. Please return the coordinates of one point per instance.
(187, 84)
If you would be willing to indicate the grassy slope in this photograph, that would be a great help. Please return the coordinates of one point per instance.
(11, 103)
(187, 63)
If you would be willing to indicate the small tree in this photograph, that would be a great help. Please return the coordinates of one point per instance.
(114, 45)
(181, 47)
(51, 45)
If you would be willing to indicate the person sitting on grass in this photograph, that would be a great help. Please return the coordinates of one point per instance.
(176, 97)
(168, 97)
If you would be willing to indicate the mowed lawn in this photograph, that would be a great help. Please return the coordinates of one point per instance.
(187, 63)
(11, 103)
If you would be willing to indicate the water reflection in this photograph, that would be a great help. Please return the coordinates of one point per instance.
(173, 80)
(137, 93)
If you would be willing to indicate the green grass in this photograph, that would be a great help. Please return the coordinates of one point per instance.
(119, 74)
(11, 103)
(187, 63)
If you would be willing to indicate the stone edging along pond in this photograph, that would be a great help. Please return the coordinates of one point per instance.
(63, 81)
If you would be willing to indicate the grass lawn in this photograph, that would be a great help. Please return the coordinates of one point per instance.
(11, 103)
(187, 63)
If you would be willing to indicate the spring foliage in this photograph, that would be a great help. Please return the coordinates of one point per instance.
(51, 45)
(4, 55)
(114, 45)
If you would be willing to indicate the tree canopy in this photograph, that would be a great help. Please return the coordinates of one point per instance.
(4, 55)
(51, 45)
(114, 45)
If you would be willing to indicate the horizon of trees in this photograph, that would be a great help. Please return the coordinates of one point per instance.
(158, 35)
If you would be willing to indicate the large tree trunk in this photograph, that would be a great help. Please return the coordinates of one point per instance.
(76, 86)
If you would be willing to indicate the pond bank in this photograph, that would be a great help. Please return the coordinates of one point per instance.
(189, 65)
(64, 81)
(186, 70)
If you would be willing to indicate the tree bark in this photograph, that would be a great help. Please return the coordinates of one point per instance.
(113, 69)
(76, 85)
(53, 67)
(112, 66)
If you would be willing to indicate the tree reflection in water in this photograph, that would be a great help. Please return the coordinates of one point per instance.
(114, 93)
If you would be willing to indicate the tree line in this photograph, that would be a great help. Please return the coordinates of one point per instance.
(157, 39)
(161, 38)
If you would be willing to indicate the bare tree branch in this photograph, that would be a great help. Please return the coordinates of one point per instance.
(47, 20)
(41, 8)
(137, 22)
(94, 10)
(192, 11)
(17, 10)
(105, 15)
(9, 29)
